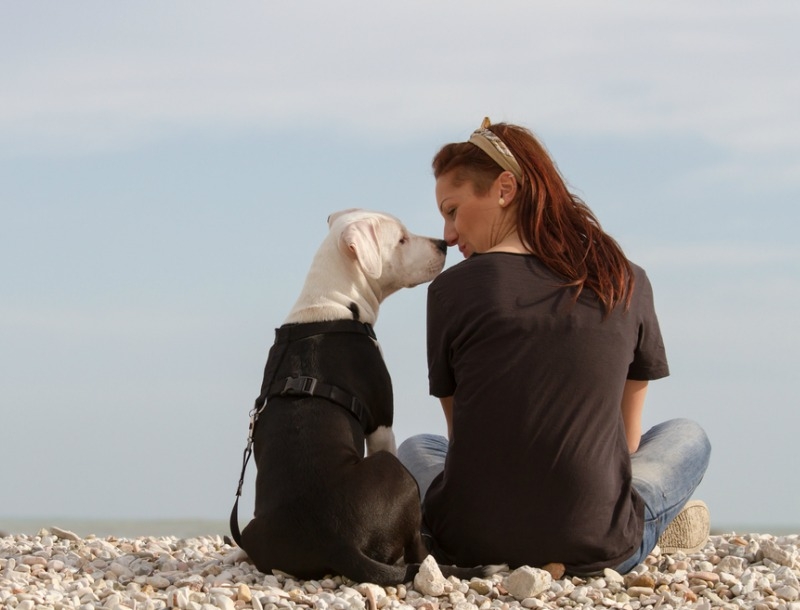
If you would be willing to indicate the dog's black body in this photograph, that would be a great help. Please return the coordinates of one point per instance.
(322, 507)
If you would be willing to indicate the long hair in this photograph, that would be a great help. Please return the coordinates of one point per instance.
(556, 225)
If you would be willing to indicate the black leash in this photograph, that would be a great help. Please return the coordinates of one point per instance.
(248, 451)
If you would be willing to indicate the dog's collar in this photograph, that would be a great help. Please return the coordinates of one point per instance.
(294, 332)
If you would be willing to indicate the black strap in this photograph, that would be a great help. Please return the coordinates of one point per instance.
(311, 386)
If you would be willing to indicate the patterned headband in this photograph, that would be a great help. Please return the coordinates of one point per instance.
(493, 146)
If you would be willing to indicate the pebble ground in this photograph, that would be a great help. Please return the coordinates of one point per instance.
(57, 569)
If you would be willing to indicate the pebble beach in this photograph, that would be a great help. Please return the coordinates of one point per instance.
(57, 569)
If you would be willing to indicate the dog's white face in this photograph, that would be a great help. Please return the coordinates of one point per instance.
(365, 257)
(386, 251)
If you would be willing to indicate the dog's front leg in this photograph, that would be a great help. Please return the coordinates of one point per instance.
(381, 440)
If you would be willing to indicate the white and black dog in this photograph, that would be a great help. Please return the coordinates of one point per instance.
(321, 507)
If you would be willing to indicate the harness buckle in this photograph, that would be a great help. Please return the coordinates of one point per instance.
(299, 385)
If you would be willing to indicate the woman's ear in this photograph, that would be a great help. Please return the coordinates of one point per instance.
(508, 187)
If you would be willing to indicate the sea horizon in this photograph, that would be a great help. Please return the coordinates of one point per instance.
(193, 527)
(119, 528)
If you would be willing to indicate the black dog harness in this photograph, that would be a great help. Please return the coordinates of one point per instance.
(300, 386)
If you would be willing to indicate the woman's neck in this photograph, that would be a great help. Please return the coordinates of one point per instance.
(512, 244)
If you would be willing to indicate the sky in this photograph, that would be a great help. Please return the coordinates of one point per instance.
(167, 168)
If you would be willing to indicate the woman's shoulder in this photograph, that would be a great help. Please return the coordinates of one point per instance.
(642, 298)
(638, 270)
(640, 276)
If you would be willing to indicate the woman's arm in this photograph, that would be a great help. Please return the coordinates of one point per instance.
(447, 406)
(632, 406)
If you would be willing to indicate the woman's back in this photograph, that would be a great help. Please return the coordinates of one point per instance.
(536, 379)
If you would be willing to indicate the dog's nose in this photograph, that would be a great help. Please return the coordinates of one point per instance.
(441, 244)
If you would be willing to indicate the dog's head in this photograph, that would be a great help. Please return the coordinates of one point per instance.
(386, 252)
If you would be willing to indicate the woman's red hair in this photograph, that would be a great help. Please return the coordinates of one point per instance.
(557, 226)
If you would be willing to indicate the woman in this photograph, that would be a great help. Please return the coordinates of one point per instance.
(541, 345)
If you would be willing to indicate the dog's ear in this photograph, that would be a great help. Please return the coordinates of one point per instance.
(359, 240)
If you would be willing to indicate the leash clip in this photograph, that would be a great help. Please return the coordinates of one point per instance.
(299, 385)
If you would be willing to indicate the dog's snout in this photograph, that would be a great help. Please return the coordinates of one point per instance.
(441, 245)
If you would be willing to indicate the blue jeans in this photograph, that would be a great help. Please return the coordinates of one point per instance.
(668, 466)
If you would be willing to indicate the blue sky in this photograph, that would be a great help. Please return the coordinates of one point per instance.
(166, 170)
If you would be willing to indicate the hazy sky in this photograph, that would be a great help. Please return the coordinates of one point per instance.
(166, 169)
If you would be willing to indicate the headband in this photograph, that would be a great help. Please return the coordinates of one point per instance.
(492, 145)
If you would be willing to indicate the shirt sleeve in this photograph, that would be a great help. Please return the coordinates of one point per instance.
(650, 357)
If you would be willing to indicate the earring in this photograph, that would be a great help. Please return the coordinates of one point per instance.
(502, 202)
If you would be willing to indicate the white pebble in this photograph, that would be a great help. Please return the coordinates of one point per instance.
(527, 582)
(158, 582)
(223, 602)
(787, 593)
(429, 580)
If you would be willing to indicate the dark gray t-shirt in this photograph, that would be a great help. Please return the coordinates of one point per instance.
(538, 468)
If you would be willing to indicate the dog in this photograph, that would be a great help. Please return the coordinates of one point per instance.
(321, 506)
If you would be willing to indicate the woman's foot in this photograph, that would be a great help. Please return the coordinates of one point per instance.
(689, 531)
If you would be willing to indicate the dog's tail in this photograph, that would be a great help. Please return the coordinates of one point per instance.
(359, 567)
(467, 573)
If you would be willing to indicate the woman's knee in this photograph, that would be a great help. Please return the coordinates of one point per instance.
(408, 448)
(686, 431)
(423, 456)
(672, 450)
(421, 446)
(695, 436)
